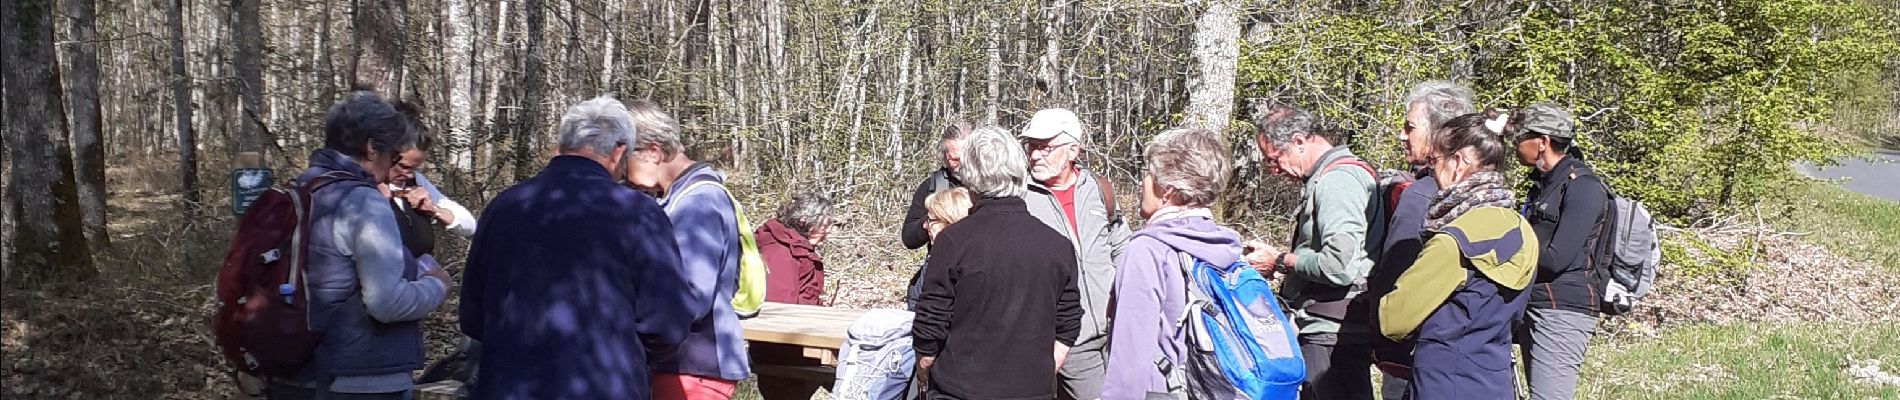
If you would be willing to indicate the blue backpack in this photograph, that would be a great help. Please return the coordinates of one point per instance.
(1239, 343)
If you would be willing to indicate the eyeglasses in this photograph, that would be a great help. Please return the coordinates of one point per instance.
(1033, 145)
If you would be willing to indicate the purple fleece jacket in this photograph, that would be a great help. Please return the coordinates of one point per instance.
(1148, 298)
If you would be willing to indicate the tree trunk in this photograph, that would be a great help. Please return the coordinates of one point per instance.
(50, 242)
(1047, 78)
(528, 132)
(898, 108)
(458, 40)
(181, 100)
(89, 150)
(249, 62)
(1216, 51)
(994, 79)
(377, 64)
(326, 69)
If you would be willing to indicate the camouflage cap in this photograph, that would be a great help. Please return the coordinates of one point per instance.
(1543, 119)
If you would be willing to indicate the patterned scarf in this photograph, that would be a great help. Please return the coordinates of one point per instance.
(1479, 190)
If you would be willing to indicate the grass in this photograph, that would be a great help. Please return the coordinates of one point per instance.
(1846, 223)
(1745, 361)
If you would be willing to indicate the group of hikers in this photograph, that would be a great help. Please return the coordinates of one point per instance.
(611, 272)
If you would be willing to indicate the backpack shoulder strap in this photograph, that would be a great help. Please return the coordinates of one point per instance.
(1108, 198)
(327, 178)
(1194, 296)
(939, 181)
(1353, 161)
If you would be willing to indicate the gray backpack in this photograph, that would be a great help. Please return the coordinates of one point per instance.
(876, 360)
(1633, 251)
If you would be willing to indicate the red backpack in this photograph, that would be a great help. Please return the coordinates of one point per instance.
(263, 320)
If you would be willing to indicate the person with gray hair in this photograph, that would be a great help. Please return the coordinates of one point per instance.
(1427, 108)
(1186, 171)
(1081, 205)
(365, 292)
(914, 233)
(713, 358)
(1336, 237)
(789, 244)
(794, 274)
(598, 126)
(573, 283)
(997, 310)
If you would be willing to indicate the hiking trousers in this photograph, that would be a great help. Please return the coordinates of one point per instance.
(1553, 344)
(1082, 372)
(277, 390)
(1338, 366)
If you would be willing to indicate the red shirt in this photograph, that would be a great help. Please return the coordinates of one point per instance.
(1066, 197)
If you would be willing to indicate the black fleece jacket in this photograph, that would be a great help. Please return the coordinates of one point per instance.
(999, 291)
(1566, 208)
(913, 232)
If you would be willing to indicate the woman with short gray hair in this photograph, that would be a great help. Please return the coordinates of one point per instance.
(793, 273)
(995, 165)
(998, 288)
(789, 244)
(1186, 171)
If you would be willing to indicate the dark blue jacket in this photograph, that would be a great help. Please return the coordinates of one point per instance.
(571, 282)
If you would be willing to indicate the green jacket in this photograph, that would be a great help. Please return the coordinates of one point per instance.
(1483, 234)
(1340, 226)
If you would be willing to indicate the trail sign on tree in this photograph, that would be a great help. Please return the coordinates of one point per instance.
(247, 184)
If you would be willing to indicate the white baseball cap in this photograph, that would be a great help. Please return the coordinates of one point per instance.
(1049, 123)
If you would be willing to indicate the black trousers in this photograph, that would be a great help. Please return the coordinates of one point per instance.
(1338, 367)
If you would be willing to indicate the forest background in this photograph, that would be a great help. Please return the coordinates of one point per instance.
(124, 119)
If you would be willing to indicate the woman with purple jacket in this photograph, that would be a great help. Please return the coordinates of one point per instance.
(1186, 169)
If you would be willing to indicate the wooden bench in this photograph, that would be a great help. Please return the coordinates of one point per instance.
(784, 340)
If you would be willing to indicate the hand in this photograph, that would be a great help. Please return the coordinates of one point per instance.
(430, 269)
(1261, 258)
(416, 198)
(923, 370)
(1061, 354)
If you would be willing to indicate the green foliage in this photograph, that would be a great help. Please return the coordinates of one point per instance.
(1847, 223)
(1697, 108)
(1797, 360)
(1689, 256)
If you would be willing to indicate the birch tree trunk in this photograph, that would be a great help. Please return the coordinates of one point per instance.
(1216, 50)
(50, 242)
(994, 78)
(89, 150)
(457, 41)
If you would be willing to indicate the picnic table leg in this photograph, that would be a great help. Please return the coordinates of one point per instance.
(785, 372)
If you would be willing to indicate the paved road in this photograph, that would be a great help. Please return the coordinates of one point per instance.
(1878, 175)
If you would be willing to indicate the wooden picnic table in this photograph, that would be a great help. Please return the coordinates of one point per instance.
(784, 340)
(797, 341)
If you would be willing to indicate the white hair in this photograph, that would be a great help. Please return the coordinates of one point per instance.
(1443, 100)
(597, 125)
(994, 164)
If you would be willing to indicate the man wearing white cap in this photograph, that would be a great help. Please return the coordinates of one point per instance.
(1081, 206)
